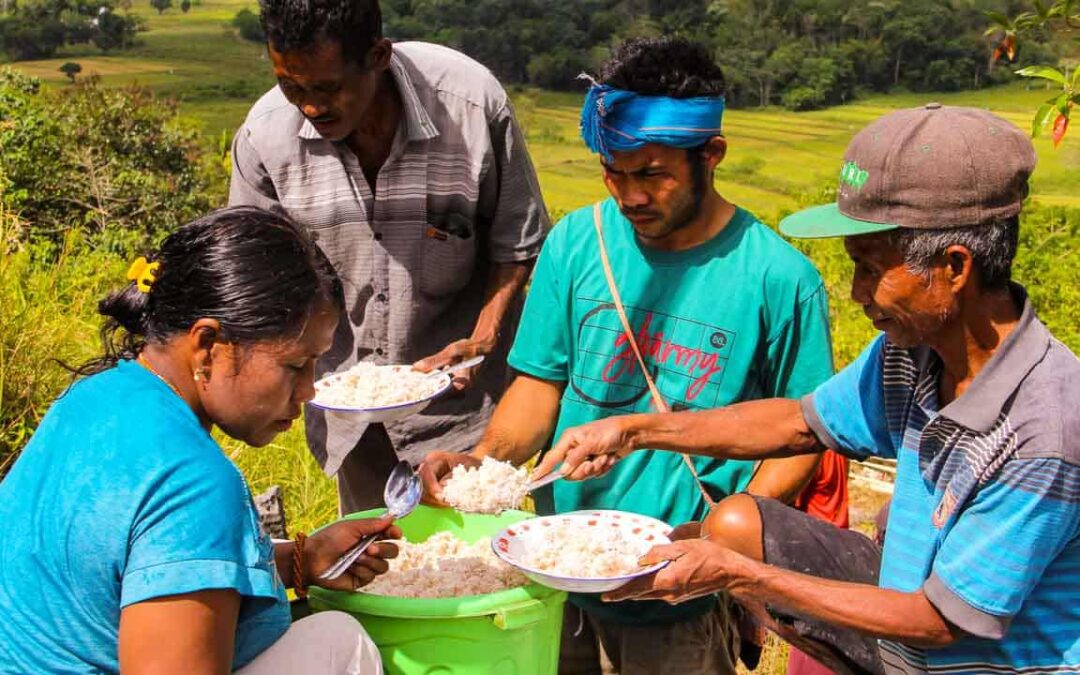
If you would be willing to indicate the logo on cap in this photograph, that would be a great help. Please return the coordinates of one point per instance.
(852, 175)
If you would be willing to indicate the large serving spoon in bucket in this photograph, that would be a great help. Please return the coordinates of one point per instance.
(401, 494)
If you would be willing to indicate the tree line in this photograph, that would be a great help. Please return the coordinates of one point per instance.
(802, 54)
(36, 29)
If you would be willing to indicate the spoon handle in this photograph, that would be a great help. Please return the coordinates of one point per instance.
(546, 480)
(344, 562)
(464, 365)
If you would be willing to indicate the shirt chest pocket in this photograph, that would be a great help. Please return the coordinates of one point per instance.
(447, 256)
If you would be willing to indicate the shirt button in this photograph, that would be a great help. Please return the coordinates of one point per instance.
(379, 351)
(378, 236)
(381, 297)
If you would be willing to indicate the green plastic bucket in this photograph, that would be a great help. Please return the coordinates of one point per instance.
(512, 632)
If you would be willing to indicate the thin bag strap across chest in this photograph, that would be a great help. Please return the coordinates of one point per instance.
(658, 399)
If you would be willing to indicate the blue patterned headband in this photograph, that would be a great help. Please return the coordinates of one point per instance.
(617, 120)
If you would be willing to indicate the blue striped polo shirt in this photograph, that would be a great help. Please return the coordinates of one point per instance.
(985, 517)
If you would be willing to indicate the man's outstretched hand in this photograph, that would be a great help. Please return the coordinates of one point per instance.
(587, 451)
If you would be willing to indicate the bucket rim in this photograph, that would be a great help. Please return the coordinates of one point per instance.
(461, 607)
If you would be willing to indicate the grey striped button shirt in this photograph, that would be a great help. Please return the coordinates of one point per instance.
(457, 193)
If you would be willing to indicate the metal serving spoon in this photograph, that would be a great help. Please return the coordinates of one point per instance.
(546, 480)
(401, 494)
(457, 367)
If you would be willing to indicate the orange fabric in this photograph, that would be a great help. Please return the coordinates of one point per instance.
(826, 496)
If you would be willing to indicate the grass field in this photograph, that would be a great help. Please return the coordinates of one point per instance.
(775, 156)
(777, 161)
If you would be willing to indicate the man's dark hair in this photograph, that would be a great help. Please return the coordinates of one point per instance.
(667, 66)
(663, 66)
(298, 24)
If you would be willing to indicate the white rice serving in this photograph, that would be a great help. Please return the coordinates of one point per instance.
(566, 549)
(367, 385)
(492, 487)
(445, 567)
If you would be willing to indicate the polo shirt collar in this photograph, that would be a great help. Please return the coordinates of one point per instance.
(981, 405)
(418, 124)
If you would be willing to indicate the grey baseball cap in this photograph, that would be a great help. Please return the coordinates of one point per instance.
(930, 167)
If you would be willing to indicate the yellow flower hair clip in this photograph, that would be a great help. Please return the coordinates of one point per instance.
(142, 273)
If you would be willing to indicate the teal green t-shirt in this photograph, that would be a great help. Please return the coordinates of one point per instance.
(742, 316)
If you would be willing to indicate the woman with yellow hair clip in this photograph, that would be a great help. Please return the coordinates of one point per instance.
(128, 540)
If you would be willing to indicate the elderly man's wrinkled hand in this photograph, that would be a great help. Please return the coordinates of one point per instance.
(588, 451)
(453, 354)
(698, 567)
(434, 471)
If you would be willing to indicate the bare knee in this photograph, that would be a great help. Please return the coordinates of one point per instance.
(736, 523)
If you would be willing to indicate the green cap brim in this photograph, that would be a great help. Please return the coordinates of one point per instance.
(826, 221)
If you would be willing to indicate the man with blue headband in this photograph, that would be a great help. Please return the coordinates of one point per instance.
(704, 297)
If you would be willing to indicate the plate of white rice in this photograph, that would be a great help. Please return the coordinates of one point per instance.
(582, 551)
(379, 393)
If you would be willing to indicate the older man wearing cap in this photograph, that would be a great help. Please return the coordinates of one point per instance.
(965, 388)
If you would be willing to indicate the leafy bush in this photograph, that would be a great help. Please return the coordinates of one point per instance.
(249, 27)
(87, 175)
(48, 300)
(558, 69)
(36, 30)
(71, 69)
(23, 38)
(803, 98)
(1046, 265)
(121, 168)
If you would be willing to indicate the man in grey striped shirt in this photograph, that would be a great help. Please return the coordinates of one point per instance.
(406, 163)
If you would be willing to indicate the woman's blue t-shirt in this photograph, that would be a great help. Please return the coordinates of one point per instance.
(121, 496)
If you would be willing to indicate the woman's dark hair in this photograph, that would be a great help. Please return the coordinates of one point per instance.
(255, 272)
(298, 24)
(663, 66)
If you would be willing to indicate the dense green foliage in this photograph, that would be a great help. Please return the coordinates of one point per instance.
(803, 54)
(88, 175)
(38, 28)
(71, 69)
(48, 295)
(113, 163)
(246, 23)
(1059, 18)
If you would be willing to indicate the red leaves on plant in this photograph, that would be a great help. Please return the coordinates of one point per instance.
(1061, 125)
(1007, 47)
